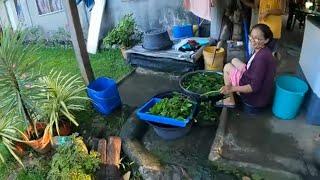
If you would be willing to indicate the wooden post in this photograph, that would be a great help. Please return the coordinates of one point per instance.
(78, 41)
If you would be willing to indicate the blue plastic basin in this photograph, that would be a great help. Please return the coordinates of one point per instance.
(182, 31)
(143, 114)
(290, 92)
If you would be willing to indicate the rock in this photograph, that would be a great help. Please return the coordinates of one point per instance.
(126, 176)
(246, 178)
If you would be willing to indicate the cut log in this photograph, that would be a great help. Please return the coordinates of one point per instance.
(102, 149)
(113, 158)
(113, 151)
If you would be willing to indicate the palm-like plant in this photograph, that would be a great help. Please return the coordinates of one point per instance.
(63, 97)
(9, 134)
(17, 61)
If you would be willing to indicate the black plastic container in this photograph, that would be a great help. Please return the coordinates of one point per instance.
(214, 98)
(156, 39)
(170, 132)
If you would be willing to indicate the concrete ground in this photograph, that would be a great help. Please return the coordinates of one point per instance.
(268, 142)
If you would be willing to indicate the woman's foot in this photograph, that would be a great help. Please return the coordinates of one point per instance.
(227, 102)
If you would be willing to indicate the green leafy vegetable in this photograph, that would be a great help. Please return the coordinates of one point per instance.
(207, 114)
(177, 107)
(202, 83)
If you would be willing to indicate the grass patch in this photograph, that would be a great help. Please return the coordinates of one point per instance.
(109, 63)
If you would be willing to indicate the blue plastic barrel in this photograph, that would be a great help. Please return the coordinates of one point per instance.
(104, 95)
(290, 92)
(182, 31)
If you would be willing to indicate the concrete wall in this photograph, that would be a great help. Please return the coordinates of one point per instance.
(148, 13)
(4, 18)
(49, 23)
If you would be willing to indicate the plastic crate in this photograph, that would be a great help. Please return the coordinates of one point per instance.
(143, 114)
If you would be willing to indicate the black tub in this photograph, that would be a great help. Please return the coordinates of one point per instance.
(156, 39)
(168, 132)
(214, 98)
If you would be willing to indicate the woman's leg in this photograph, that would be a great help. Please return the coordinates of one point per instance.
(228, 68)
(237, 63)
(226, 73)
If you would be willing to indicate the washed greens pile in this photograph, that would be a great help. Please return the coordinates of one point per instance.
(202, 83)
(208, 114)
(177, 107)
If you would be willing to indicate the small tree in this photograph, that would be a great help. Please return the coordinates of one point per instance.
(17, 61)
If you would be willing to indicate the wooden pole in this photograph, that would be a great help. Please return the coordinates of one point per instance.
(78, 41)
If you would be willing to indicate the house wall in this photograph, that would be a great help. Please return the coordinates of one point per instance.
(4, 18)
(48, 22)
(148, 13)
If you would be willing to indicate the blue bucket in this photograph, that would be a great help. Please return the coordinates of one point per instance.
(104, 95)
(182, 31)
(290, 92)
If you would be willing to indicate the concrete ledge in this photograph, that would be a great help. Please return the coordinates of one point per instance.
(217, 158)
(216, 147)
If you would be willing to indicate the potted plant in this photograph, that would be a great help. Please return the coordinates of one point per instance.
(72, 161)
(17, 83)
(62, 99)
(124, 35)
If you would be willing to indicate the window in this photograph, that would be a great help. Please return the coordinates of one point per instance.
(18, 6)
(48, 6)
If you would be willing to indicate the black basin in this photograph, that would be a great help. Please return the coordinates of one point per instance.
(214, 97)
(156, 39)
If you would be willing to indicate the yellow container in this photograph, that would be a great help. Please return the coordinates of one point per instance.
(215, 64)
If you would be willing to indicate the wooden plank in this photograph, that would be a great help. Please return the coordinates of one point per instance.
(95, 25)
(102, 149)
(78, 41)
(113, 157)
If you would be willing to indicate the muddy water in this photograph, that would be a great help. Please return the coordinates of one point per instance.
(138, 88)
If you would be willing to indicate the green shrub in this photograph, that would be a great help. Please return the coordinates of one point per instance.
(72, 161)
(124, 35)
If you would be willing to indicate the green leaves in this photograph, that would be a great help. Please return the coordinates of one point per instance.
(125, 34)
(17, 77)
(9, 134)
(72, 161)
(177, 107)
(62, 97)
(202, 83)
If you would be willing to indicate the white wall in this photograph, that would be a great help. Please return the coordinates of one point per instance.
(309, 57)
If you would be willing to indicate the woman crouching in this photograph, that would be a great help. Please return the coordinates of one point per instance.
(254, 81)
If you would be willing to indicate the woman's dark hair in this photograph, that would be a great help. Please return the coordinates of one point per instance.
(267, 33)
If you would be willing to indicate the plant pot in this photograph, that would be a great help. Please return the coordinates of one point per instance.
(42, 144)
(123, 52)
(64, 128)
(20, 149)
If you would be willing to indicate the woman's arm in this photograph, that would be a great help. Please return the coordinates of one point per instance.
(249, 3)
(231, 89)
(243, 89)
(278, 12)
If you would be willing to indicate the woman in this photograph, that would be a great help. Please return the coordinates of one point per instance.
(254, 80)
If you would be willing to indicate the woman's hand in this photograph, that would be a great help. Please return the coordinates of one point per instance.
(227, 89)
(263, 16)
